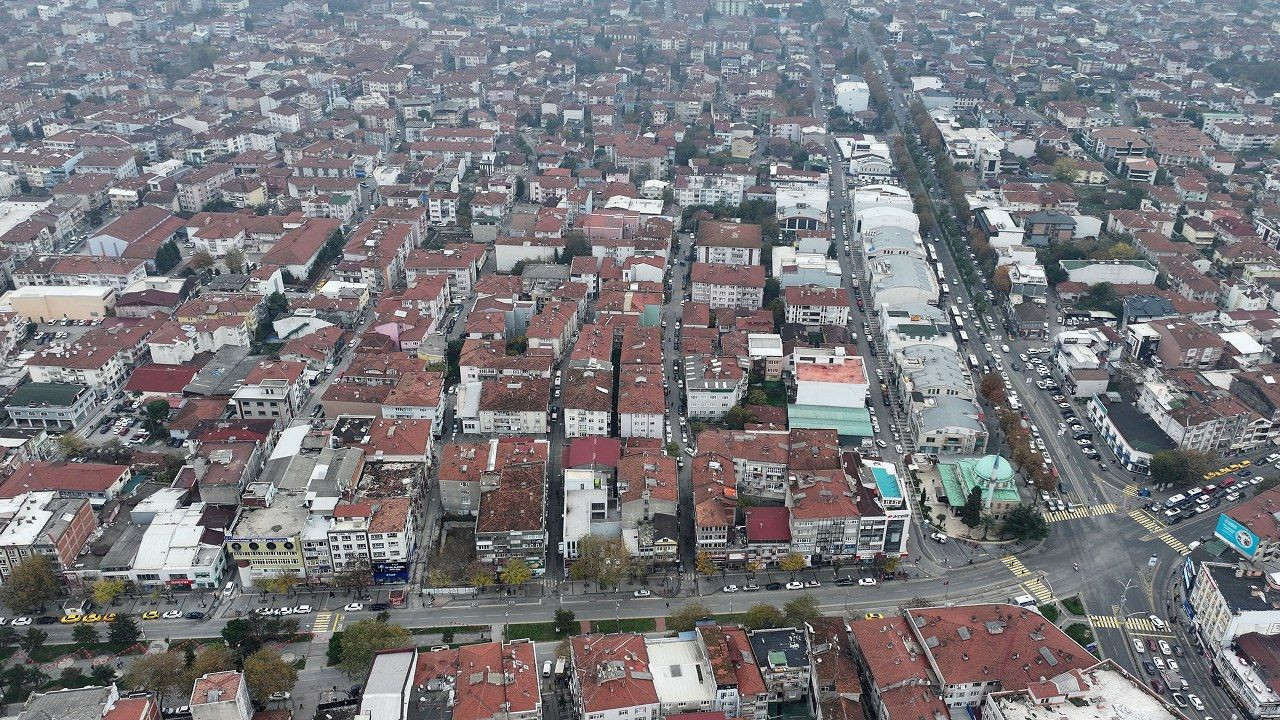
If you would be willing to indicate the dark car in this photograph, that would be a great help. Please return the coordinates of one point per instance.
(379, 607)
(1177, 650)
(1149, 667)
(845, 582)
(773, 586)
(1245, 473)
(1157, 685)
(46, 620)
(195, 615)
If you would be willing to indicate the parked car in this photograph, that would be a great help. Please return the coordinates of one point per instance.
(773, 586)
(795, 585)
(866, 582)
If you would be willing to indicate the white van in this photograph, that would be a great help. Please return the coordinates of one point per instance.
(546, 668)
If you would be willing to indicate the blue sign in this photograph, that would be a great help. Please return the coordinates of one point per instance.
(1237, 536)
(391, 572)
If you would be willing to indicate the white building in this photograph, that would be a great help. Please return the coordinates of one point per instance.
(853, 95)
(221, 696)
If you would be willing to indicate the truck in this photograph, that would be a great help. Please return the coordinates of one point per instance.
(559, 667)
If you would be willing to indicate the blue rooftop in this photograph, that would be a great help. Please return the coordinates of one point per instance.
(888, 483)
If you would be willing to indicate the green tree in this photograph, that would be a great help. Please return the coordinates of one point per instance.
(361, 640)
(161, 673)
(267, 673)
(32, 639)
(71, 446)
(575, 245)
(85, 634)
(31, 584)
(800, 610)
(516, 572)
(1179, 467)
(277, 305)
(1025, 523)
(123, 631)
(763, 616)
(738, 418)
(684, 617)
(106, 590)
(564, 620)
(167, 257)
(604, 561)
(987, 522)
(971, 512)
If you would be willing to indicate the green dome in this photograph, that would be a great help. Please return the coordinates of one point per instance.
(993, 467)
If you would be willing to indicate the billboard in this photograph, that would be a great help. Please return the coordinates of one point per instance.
(1237, 536)
(396, 571)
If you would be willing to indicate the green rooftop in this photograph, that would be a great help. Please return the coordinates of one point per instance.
(993, 472)
(847, 422)
(50, 394)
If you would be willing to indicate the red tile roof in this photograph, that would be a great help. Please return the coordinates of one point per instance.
(612, 672)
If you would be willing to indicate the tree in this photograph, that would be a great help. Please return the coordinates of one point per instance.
(763, 616)
(201, 260)
(757, 396)
(282, 583)
(85, 634)
(684, 617)
(792, 562)
(123, 631)
(802, 609)
(106, 591)
(1065, 169)
(277, 305)
(70, 445)
(214, 657)
(516, 572)
(1025, 523)
(1179, 467)
(355, 575)
(8, 636)
(738, 418)
(267, 673)
(987, 522)
(167, 257)
(33, 639)
(162, 673)
(1000, 280)
(971, 511)
(604, 561)
(575, 245)
(564, 620)
(705, 565)
(361, 640)
(31, 584)
(234, 260)
(481, 576)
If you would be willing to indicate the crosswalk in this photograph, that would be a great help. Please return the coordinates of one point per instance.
(1133, 624)
(326, 622)
(1080, 512)
(1130, 490)
(1030, 582)
(1159, 531)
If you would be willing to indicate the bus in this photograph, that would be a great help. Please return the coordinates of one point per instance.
(964, 337)
(973, 362)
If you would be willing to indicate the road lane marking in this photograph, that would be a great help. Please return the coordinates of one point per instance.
(1159, 531)
(1030, 582)
(1080, 512)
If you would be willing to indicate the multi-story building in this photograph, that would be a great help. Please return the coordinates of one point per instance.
(41, 523)
(611, 678)
(221, 696)
(713, 386)
(728, 286)
(824, 515)
(642, 404)
(587, 401)
(511, 406)
(202, 186)
(512, 518)
(272, 390)
(816, 307)
(728, 243)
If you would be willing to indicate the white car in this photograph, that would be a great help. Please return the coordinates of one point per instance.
(1164, 648)
(795, 585)
(353, 607)
(866, 582)
(302, 610)
(641, 593)
(1156, 622)
(19, 621)
(812, 583)
(1196, 702)
(729, 588)
(171, 614)
(278, 696)
(939, 538)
